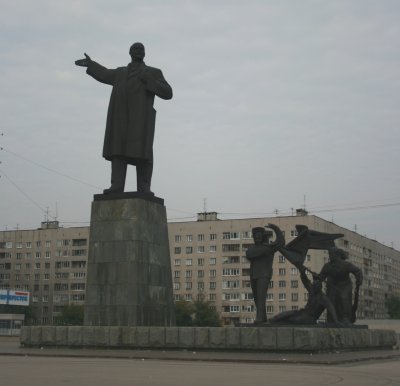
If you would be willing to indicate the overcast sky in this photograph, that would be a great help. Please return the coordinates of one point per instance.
(274, 102)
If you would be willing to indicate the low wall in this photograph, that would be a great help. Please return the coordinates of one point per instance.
(214, 338)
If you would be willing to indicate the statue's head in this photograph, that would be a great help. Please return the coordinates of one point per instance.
(260, 235)
(336, 254)
(137, 52)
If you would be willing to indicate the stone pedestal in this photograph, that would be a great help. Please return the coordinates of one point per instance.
(129, 280)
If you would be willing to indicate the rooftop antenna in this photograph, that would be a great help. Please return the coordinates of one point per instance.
(276, 212)
(355, 228)
(304, 202)
(205, 205)
(55, 219)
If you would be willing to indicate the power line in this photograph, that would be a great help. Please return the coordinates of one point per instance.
(21, 191)
(49, 169)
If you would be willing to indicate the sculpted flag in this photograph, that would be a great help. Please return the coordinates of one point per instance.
(296, 250)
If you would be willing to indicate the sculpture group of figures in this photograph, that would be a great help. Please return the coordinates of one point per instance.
(336, 273)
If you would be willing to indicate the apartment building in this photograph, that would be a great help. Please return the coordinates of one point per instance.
(49, 262)
(208, 262)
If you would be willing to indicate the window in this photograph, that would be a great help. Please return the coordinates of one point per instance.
(189, 238)
(213, 285)
(212, 248)
(282, 308)
(230, 247)
(295, 308)
(231, 296)
(45, 299)
(62, 264)
(188, 273)
(282, 297)
(177, 250)
(28, 244)
(271, 284)
(231, 272)
(281, 259)
(212, 261)
(200, 249)
(295, 297)
(234, 308)
(270, 309)
(48, 244)
(37, 244)
(46, 265)
(227, 284)
(200, 237)
(16, 277)
(78, 297)
(231, 260)
(200, 273)
(61, 286)
(226, 236)
(17, 267)
(213, 236)
(37, 255)
(47, 254)
(247, 296)
(282, 283)
(294, 271)
(27, 277)
(200, 261)
(37, 265)
(78, 286)
(188, 297)
(78, 275)
(213, 273)
(27, 265)
(246, 284)
(178, 238)
(37, 276)
(189, 250)
(79, 264)
(305, 296)
(79, 252)
(79, 242)
(177, 286)
(188, 262)
(177, 274)
(65, 243)
(293, 233)
(188, 285)
(270, 297)
(282, 271)
(200, 286)
(18, 245)
(62, 275)
(46, 276)
(212, 297)
(19, 256)
(294, 284)
(247, 235)
(177, 262)
(177, 297)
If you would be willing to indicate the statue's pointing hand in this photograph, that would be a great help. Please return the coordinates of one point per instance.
(83, 62)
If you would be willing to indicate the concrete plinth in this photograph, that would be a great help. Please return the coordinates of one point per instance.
(129, 279)
(272, 339)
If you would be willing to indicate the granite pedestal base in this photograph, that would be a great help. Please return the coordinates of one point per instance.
(274, 339)
(129, 279)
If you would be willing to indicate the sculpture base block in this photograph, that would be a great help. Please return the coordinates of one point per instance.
(129, 279)
(275, 339)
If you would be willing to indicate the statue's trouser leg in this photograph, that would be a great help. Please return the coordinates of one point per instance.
(118, 175)
(144, 171)
(262, 288)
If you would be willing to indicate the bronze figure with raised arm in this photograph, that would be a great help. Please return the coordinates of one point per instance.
(261, 257)
(131, 116)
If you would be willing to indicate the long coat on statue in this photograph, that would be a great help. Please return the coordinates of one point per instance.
(131, 116)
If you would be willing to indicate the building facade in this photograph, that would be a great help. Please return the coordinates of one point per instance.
(208, 262)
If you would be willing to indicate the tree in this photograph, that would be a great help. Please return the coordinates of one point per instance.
(71, 315)
(199, 313)
(183, 313)
(393, 306)
(205, 314)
